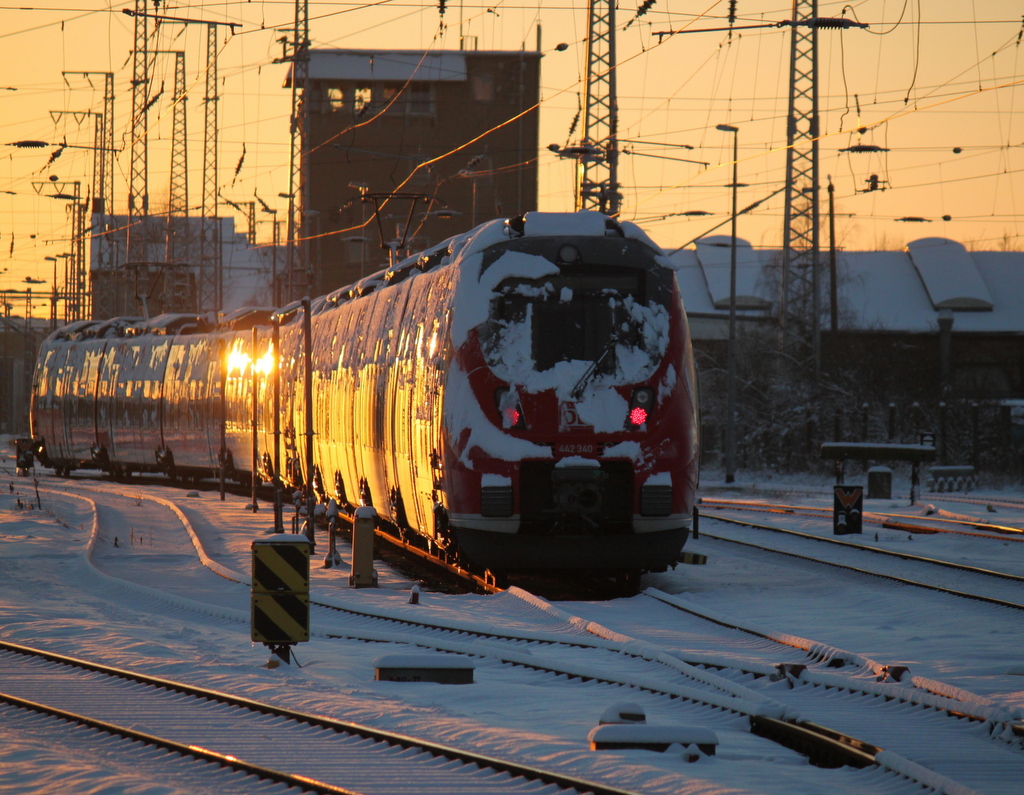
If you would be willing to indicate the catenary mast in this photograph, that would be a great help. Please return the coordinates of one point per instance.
(598, 185)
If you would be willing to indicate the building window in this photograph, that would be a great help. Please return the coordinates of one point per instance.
(420, 100)
(361, 99)
(483, 88)
(335, 99)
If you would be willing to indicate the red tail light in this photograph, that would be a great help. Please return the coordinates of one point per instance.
(640, 407)
(507, 401)
(637, 415)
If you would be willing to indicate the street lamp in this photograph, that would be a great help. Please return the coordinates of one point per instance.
(53, 298)
(235, 360)
(730, 419)
(261, 366)
(363, 189)
(275, 347)
(471, 171)
(255, 379)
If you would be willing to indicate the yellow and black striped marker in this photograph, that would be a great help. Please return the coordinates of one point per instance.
(693, 558)
(280, 589)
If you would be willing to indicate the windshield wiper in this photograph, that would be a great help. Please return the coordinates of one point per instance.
(577, 391)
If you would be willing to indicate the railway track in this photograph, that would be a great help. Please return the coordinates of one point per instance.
(974, 739)
(583, 652)
(938, 522)
(988, 503)
(997, 588)
(311, 752)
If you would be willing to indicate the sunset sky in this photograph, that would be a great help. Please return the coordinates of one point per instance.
(938, 83)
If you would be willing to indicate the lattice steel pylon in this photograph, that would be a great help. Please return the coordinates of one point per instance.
(800, 301)
(102, 195)
(179, 150)
(597, 184)
(77, 298)
(138, 188)
(209, 295)
(299, 277)
(178, 203)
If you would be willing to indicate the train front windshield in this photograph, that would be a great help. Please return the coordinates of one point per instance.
(607, 303)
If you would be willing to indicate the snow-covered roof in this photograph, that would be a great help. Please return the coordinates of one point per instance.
(898, 291)
(386, 65)
(715, 256)
(949, 274)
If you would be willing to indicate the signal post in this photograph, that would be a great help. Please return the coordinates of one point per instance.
(280, 593)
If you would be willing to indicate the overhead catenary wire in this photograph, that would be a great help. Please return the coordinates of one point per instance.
(923, 87)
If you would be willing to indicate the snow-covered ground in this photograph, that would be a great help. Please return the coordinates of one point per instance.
(148, 603)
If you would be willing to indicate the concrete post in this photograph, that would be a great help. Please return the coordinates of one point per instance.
(363, 574)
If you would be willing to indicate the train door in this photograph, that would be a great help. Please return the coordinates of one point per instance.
(345, 408)
(395, 374)
(106, 402)
(427, 404)
(418, 511)
(44, 407)
(205, 395)
(135, 434)
(291, 418)
(65, 377)
(154, 366)
(325, 386)
(373, 396)
(83, 419)
(62, 382)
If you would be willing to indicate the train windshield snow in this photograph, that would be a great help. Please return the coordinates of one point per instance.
(603, 310)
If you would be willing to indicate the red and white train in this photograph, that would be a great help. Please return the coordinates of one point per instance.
(522, 397)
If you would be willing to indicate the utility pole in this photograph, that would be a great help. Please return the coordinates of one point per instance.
(298, 265)
(77, 293)
(800, 293)
(211, 278)
(598, 154)
(178, 204)
(209, 295)
(138, 188)
(102, 197)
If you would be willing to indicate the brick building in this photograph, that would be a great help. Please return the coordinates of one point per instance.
(375, 116)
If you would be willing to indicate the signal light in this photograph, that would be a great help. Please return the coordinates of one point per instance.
(637, 415)
(510, 409)
(640, 406)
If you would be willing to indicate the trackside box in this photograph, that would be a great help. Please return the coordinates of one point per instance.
(280, 589)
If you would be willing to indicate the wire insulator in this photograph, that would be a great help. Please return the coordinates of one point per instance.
(833, 23)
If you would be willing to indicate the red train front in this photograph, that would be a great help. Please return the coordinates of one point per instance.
(571, 430)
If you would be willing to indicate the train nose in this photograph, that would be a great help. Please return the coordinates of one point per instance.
(577, 489)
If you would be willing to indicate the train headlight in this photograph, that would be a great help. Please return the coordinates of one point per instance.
(568, 254)
(510, 409)
(640, 407)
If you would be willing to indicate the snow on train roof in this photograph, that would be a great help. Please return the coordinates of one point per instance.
(475, 289)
